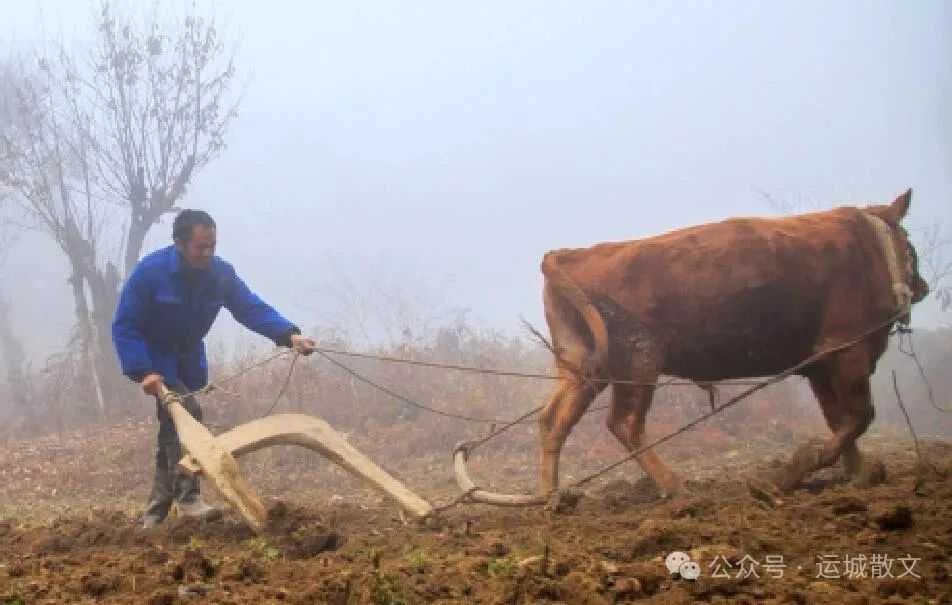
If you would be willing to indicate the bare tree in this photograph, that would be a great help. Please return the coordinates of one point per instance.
(935, 265)
(791, 203)
(102, 144)
(932, 244)
(14, 364)
(11, 347)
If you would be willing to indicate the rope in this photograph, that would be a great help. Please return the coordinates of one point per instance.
(924, 466)
(402, 398)
(507, 424)
(737, 399)
(469, 446)
(287, 381)
(323, 351)
(460, 499)
(509, 373)
(212, 386)
(757, 386)
(907, 348)
(902, 406)
(171, 397)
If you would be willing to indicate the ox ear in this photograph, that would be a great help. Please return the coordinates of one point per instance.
(900, 206)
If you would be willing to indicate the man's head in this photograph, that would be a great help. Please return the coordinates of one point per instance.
(194, 234)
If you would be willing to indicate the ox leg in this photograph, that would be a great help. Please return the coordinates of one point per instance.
(823, 389)
(626, 420)
(843, 392)
(863, 470)
(568, 403)
(712, 395)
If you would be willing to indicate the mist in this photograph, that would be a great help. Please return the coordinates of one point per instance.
(392, 180)
(446, 148)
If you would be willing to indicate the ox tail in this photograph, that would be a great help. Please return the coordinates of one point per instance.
(561, 285)
(557, 278)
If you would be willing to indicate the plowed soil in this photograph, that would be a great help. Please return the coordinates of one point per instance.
(70, 533)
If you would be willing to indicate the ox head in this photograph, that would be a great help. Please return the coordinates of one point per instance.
(893, 215)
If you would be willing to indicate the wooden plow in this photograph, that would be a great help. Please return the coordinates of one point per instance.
(214, 457)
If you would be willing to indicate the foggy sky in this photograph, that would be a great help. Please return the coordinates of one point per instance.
(447, 146)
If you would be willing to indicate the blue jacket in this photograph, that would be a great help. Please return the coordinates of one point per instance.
(166, 308)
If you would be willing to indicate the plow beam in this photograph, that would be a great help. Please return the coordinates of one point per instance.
(216, 462)
(315, 434)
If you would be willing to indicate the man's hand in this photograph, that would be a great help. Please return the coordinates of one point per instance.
(151, 384)
(303, 344)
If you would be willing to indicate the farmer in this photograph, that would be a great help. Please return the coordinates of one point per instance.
(165, 310)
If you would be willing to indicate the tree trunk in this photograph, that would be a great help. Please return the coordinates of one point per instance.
(14, 359)
(138, 229)
(87, 354)
(104, 291)
(146, 209)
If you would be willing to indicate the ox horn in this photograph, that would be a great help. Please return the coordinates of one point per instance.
(460, 456)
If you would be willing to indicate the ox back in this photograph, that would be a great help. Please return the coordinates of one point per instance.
(739, 298)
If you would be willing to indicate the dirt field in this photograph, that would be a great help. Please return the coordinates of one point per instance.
(69, 532)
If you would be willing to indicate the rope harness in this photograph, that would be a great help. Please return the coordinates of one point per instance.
(468, 447)
(899, 286)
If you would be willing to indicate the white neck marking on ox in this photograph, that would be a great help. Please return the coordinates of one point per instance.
(887, 243)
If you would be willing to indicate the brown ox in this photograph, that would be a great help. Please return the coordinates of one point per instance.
(741, 298)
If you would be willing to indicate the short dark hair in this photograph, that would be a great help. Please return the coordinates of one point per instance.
(187, 220)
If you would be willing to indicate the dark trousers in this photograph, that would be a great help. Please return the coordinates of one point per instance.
(169, 483)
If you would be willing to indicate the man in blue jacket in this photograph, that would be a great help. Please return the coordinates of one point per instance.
(165, 310)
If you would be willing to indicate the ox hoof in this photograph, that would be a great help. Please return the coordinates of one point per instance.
(870, 474)
(562, 502)
(553, 498)
(765, 490)
(807, 459)
(775, 481)
(673, 486)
